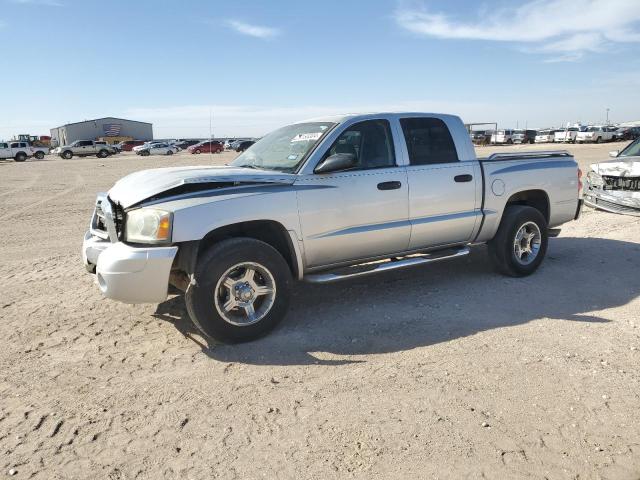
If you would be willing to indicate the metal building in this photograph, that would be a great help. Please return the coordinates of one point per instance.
(101, 128)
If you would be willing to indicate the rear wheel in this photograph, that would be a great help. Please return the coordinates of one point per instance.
(520, 244)
(241, 290)
(103, 154)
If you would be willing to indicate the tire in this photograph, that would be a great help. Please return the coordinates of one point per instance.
(67, 154)
(502, 249)
(207, 296)
(102, 154)
(169, 152)
(145, 153)
(20, 157)
(509, 142)
(197, 151)
(39, 155)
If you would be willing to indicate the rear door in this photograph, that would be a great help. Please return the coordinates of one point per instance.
(443, 206)
(361, 212)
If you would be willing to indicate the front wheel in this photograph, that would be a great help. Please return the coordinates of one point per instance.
(240, 290)
(67, 155)
(520, 243)
(169, 152)
(39, 155)
(20, 157)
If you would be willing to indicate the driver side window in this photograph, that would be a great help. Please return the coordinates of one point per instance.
(371, 142)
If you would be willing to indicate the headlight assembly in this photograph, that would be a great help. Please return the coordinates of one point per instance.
(595, 180)
(148, 225)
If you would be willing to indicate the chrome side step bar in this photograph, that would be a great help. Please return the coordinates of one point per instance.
(385, 265)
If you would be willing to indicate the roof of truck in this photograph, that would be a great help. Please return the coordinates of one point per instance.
(339, 118)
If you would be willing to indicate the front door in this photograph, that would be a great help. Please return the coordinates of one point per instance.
(360, 212)
(443, 207)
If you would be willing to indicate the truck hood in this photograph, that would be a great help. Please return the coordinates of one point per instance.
(618, 168)
(147, 184)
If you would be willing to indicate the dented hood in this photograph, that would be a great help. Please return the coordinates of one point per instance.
(140, 186)
(629, 167)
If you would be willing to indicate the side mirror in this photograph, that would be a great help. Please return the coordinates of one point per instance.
(337, 161)
(614, 153)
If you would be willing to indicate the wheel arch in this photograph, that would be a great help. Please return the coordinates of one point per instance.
(536, 198)
(271, 232)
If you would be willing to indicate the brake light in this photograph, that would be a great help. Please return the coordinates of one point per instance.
(579, 181)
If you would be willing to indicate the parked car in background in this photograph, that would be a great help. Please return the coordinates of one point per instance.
(208, 146)
(147, 144)
(614, 185)
(242, 146)
(184, 144)
(157, 149)
(235, 251)
(128, 145)
(627, 133)
(524, 136)
(502, 136)
(480, 137)
(82, 148)
(545, 136)
(19, 151)
(229, 142)
(596, 134)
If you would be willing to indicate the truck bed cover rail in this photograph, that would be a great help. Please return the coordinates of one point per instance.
(516, 156)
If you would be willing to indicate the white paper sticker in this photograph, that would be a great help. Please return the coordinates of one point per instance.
(305, 137)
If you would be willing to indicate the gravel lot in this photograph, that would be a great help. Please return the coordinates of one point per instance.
(449, 371)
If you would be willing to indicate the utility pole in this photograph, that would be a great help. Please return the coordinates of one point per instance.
(607, 116)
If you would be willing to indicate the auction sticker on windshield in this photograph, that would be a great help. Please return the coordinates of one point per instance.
(305, 137)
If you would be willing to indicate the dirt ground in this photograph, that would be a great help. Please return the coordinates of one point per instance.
(450, 371)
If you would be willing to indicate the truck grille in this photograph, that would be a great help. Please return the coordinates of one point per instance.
(621, 183)
(101, 221)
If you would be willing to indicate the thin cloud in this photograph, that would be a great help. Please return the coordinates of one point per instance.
(47, 3)
(567, 28)
(256, 31)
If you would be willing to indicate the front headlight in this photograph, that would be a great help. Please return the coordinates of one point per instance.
(595, 180)
(148, 225)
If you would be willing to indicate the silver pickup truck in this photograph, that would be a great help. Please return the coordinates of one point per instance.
(323, 200)
(84, 148)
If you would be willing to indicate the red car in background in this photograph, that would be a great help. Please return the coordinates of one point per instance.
(128, 145)
(208, 146)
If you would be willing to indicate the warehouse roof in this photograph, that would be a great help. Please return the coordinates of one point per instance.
(104, 118)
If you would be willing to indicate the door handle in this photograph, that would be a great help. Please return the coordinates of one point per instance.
(394, 185)
(463, 178)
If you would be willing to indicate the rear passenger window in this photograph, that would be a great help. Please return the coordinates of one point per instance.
(428, 141)
(370, 142)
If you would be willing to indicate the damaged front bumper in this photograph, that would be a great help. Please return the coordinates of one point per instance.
(126, 273)
(615, 201)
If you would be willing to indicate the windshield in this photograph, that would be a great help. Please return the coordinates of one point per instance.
(632, 150)
(544, 132)
(285, 148)
(593, 129)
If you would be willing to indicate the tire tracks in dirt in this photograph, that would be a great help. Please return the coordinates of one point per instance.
(15, 213)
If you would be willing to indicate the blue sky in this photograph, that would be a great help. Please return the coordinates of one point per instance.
(260, 64)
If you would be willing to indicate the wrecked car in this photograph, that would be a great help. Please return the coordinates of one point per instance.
(323, 200)
(614, 185)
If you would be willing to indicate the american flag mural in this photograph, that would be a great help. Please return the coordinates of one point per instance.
(112, 129)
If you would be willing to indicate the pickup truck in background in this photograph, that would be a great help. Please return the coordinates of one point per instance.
(19, 151)
(567, 135)
(323, 200)
(83, 148)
